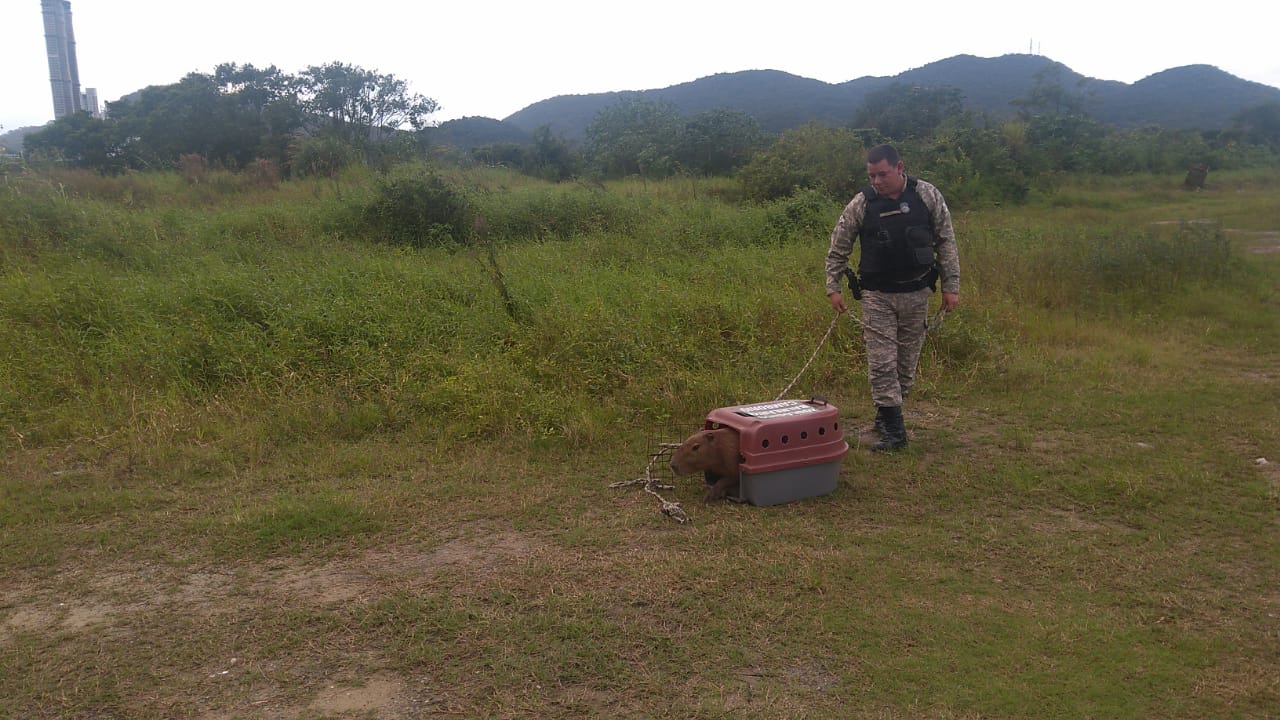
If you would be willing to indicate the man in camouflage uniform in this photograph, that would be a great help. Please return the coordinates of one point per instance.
(908, 244)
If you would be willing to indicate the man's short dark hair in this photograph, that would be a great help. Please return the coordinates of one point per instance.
(883, 152)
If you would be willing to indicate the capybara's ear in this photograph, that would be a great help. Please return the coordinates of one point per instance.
(710, 436)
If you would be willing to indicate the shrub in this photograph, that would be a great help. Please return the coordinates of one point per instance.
(419, 210)
(830, 159)
(806, 213)
(321, 157)
(193, 167)
(262, 174)
(973, 165)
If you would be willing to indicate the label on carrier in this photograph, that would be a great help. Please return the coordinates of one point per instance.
(782, 408)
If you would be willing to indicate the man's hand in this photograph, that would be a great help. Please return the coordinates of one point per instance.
(837, 302)
(950, 301)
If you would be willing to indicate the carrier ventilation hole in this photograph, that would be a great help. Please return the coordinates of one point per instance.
(804, 434)
(822, 430)
(785, 439)
(764, 443)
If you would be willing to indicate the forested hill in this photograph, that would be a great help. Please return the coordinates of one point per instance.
(1191, 97)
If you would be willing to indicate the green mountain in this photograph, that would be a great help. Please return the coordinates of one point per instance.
(471, 132)
(11, 141)
(1190, 97)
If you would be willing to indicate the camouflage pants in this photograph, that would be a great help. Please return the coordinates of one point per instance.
(893, 328)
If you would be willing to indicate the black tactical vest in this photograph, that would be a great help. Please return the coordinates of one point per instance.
(897, 242)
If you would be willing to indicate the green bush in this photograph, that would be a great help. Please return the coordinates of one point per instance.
(419, 210)
(815, 156)
(806, 213)
(972, 165)
(321, 157)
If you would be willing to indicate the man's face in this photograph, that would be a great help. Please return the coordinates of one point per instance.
(888, 180)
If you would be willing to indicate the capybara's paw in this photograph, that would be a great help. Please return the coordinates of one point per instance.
(713, 494)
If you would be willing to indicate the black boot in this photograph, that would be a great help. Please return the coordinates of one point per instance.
(894, 434)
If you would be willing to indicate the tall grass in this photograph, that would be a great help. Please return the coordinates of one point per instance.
(635, 301)
(256, 455)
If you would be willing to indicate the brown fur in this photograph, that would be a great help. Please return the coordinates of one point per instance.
(716, 454)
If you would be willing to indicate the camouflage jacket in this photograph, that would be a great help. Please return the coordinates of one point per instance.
(849, 226)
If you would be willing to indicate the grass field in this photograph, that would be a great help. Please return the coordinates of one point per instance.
(258, 464)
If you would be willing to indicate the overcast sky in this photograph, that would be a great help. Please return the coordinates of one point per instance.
(495, 58)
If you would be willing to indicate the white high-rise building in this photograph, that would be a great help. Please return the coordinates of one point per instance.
(89, 102)
(60, 42)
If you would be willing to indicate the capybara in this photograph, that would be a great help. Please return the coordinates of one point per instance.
(716, 454)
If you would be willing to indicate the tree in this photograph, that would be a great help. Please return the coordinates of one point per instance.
(254, 88)
(513, 155)
(971, 158)
(161, 123)
(362, 105)
(241, 113)
(1259, 125)
(1060, 133)
(718, 142)
(1067, 143)
(551, 157)
(271, 95)
(903, 112)
(1048, 96)
(635, 136)
(832, 160)
(80, 140)
(1151, 149)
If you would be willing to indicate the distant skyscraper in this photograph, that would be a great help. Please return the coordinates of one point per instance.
(60, 42)
(89, 102)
